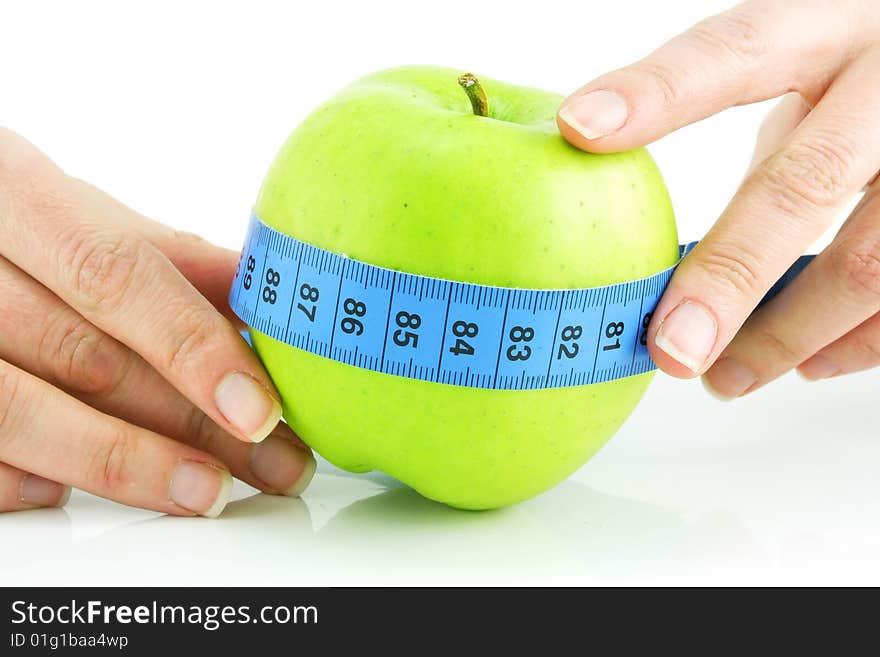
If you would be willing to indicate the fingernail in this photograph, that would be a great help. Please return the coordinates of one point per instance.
(282, 465)
(596, 114)
(36, 491)
(688, 334)
(728, 379)
(201, 488)
(817, 367)
(247, 405)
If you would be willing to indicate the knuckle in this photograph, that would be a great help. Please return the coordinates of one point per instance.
(111, 463)
(197, 332)
(103, 268)
(734, 33)
(734, 268)
(666, 80)
(856, 265)
(812, 175)
(89, 361)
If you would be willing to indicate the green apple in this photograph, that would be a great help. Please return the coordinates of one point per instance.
(398, 170)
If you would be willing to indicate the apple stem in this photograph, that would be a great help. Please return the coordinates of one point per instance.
(475, 92)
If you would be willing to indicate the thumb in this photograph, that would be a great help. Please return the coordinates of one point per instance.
(747, 54)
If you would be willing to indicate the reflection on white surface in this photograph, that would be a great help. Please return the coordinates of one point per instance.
(379, 536)
(780, 488)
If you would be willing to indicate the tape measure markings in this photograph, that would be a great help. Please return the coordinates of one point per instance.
(440, 330)
(524, 319)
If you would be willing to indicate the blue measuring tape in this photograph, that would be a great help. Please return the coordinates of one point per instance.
(444, 331)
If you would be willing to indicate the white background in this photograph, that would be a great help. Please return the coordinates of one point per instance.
(177, 109)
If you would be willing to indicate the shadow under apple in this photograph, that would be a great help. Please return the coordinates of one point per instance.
(570, 532)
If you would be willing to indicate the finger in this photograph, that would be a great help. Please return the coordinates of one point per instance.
(46, 432)
(784, 206)
(860, 348)
(20, 491)
(835, 294)
(44, 336)
(856, 351)
(130, 290)
(753, 52)
(280, 465)
(208, 267)
(777, 126)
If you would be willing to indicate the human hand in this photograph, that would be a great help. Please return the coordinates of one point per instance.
(817, 150)
(119, 373)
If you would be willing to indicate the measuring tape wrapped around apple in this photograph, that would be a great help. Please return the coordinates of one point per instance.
(444, 331)
(455, 295)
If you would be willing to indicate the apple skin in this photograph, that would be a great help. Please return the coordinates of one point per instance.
(398, 172)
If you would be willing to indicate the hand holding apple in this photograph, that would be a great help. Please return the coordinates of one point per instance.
(119, 373)
(817, 151)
